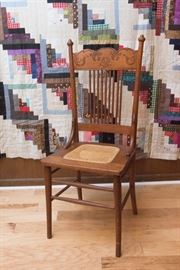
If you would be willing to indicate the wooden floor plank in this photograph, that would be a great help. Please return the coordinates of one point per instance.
(144, 263)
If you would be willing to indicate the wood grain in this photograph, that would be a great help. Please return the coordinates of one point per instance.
(84, 237)
(144, 263)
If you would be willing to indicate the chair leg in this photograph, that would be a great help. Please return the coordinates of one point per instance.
(79, 190)
(132, 187)
(117, 202)
(48, 189)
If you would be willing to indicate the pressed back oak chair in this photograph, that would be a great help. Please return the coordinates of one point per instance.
(108, 72)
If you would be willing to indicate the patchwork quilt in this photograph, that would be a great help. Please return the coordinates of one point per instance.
(35, 95)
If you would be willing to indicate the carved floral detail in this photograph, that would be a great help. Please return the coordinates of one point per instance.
(81, 57)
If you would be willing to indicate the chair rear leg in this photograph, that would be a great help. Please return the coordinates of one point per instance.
(48, 189)
(79, 190)
(117, 203)
(132, 187)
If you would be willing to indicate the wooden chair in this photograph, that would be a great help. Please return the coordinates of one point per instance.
(108, 69)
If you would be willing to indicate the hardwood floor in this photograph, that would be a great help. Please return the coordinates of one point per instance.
(84, 236)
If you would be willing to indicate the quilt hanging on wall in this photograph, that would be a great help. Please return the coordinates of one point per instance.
(35, 98)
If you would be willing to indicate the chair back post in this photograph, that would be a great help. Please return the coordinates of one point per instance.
(137, 90)
(73, 89)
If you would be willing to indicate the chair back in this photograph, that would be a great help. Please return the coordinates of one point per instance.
(99, 99)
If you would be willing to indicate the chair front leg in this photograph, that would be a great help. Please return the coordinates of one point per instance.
(48, 189)
(117, 205)
(79, 190)
(132, 174)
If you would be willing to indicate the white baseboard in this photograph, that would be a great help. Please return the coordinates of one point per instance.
(174, 182)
